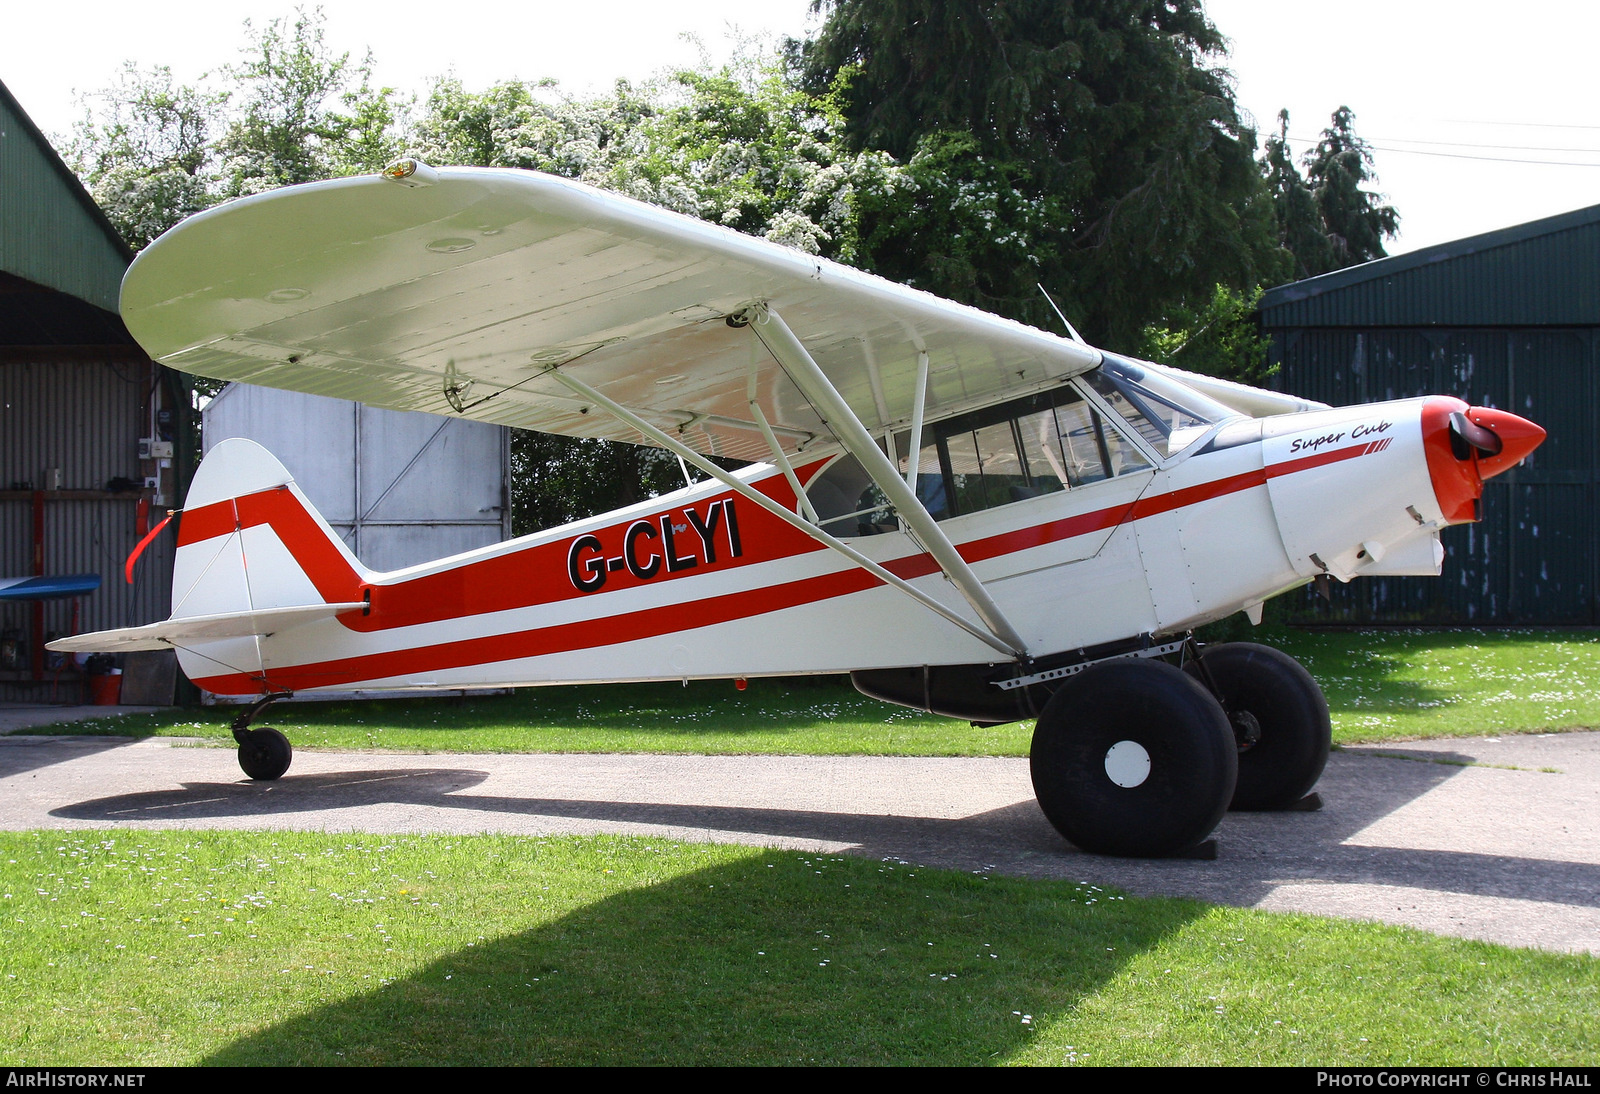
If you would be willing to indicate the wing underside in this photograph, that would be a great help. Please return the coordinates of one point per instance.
(459, 297)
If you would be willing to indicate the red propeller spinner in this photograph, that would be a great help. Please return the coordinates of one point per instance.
(1468, 444)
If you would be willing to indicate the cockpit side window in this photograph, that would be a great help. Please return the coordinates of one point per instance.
(1043, 444)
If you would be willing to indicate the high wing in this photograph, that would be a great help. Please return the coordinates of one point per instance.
(458, 290)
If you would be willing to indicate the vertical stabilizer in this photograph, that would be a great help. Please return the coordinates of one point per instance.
(249, 540)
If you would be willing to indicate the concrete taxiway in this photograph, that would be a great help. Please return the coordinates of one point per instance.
(1489, 838)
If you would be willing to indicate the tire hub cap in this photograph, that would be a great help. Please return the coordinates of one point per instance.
(1246, 729)
(1127, 764)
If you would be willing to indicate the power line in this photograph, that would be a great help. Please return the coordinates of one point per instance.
(1519, 125)
(1480, 159)
(1384, 147)
(1494, 147)
(1391, 141)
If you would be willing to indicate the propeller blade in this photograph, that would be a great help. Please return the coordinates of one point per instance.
(1467, 437)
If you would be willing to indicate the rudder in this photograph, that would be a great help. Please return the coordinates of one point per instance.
(248, 540)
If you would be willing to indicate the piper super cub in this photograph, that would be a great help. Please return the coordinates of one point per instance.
(968, 515)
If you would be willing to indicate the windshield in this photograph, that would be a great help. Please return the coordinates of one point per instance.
(1167, 414)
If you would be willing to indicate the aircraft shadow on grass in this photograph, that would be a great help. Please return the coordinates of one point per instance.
(735, 964)
(1260, 851)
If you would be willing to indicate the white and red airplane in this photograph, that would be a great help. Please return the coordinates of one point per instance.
(969, 515)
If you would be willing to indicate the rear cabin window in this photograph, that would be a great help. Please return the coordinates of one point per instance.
(848, 502)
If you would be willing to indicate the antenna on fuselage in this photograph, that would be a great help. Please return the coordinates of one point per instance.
(1071, 330)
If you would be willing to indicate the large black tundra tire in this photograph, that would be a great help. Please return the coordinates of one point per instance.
(1267, 685)
(1133, 758)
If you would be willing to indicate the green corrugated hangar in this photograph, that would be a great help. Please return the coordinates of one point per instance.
(92, 433)
(1508, 319)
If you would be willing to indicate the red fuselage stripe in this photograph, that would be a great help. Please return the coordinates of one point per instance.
(336, 581)
(562, 638)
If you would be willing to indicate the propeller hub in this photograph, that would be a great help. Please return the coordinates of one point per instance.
(1517, 438)
(1466, 445)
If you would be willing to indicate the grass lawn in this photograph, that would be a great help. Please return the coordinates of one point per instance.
(1389, 685)
(1381, 685)
(127, 948)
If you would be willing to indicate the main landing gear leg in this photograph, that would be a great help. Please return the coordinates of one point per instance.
(264, 753)
(1279, 718)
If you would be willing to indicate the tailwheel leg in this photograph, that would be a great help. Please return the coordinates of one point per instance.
(264, 753)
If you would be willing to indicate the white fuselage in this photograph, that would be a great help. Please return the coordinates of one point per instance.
(704, 583)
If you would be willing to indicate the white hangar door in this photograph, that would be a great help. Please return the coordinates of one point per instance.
(400, 488)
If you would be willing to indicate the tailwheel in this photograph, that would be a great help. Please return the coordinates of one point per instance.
(1133, 758)
(1280, 720)
(264, 753)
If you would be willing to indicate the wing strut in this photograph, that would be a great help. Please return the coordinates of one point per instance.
(744, 490)
(777, 449)
(916, 420)
(810, 379)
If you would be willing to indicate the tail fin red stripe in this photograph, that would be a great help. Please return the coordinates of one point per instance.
(308, 542)
(206, 522)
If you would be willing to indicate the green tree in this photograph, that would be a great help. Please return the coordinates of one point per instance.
(534, 126)
(1105, 132)
(152, 151)
(965, 225)
(1354, 219)
(1295, 214)
(143, 151)
(527, 125)
(739, 146)
(556, 480)
(301, 112)
(1217, 337)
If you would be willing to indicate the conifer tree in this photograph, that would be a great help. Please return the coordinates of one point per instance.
(1299, 224)
(1094, 147)
(1354, 219)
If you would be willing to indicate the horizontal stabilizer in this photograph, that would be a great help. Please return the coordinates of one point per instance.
(195, 629)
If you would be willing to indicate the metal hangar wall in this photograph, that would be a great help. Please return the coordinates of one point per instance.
(77, 398)
(1508, 319)
(400, 488)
